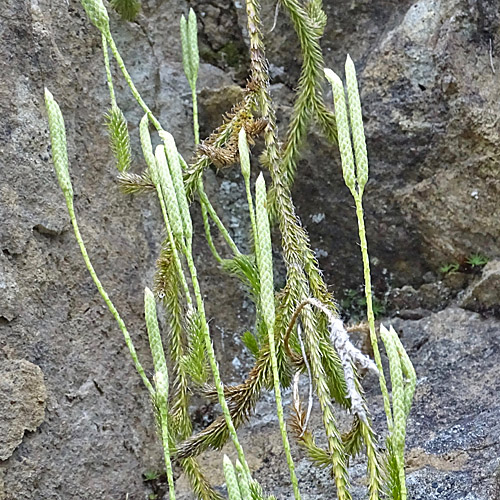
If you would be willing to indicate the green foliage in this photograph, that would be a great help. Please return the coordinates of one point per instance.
(297, 329)
(128, 9)
(119, 138)
(195, 362)
(251, 343)
(191, 63)
(189, 42)
(477, 260)
(58, 141)
(472, 263)
(403, 381)
(98, 15)
(355, 176)
(449, 268)
(239, 485)
(151, 475)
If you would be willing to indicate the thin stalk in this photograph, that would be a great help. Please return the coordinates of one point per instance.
(130, 83)
(109, 303)
(265, 265)
(171, 241)
(204, 211)
(251, 210)
(208, 234)
(196, 127)
(213, 214)
(246, 172)
(369, 305)
(205, 202)
(161, 381)
(213, 363)
(297, 252)
(168, 463)
(109, 78)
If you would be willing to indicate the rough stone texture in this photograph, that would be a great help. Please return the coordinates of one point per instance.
(446, 120)
(431, 110)
(22, 403)
(9, 300)
(484, 296)
(433, 138)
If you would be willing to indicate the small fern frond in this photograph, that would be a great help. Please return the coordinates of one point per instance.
(198, 482)
(119, 138)
(393, 482)
(241, 401)
(168, 289)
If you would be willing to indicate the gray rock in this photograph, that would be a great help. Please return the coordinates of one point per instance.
(22, 403)
(484, 295)
(448, 153)
(432, 137)
(99, 434)
(9, 300)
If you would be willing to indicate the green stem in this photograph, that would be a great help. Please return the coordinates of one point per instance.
(402, 479)
(369, 305)
(213, 214)
(297, 255)
(168, 463)
(165, 434)
(196, 126)
(309, 99)
(171, 240)
(213, 363)
(109, 78)
(208, 234)
(130, 83)
(251, 211)
(107, 300)
(265, 266)
(281, 417)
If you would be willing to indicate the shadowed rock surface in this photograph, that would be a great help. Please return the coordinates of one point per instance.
(430, 97)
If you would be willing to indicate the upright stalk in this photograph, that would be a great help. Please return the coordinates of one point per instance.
(369, 308)
(130, 83)
(109, 78)
(61, 166)
(297, 252)
(196, 127)
(265, 265)
(213, 363)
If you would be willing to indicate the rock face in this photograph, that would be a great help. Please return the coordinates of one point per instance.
(484, 295)
(432, 130)
(23, 397)
(430, 96)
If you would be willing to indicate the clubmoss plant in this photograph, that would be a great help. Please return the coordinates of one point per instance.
(296, 330)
